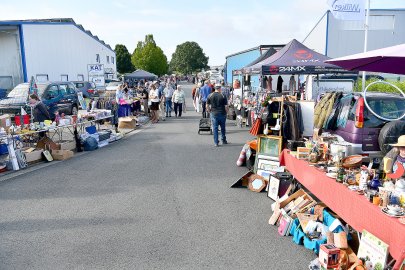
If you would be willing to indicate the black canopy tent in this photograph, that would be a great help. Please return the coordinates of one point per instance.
(261, 58)
(294, 58)
(140, 75)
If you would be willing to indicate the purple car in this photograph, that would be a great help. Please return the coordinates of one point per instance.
(367, 134)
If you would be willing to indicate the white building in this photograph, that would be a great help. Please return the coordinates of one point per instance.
(336, 38)
(52, 50)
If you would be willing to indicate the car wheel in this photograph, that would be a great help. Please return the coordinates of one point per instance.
(389, 134)
(74, 110)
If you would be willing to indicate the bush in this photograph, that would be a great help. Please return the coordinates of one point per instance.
(380, 87)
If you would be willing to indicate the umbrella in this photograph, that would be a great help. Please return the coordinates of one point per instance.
(386, 60)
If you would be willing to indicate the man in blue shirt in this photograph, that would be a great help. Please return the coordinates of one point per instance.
(205, 91)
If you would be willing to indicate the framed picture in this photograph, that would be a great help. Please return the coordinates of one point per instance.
(274, 185)
(265, 174)
(270, 146)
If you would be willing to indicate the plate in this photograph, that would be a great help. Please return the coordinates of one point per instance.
(387, 212)
(331, 175)
(354, 188)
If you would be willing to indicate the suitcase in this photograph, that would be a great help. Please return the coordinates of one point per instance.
(205, 125)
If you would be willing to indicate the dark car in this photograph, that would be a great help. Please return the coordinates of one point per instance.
(367, 134)
(57, 96)
(88, 89)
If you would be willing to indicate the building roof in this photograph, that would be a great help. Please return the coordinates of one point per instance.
(55, 21)
(257, 48)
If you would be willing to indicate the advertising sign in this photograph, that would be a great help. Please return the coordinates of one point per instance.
(96, 74)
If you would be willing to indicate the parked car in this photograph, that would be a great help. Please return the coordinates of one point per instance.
(88, 89)
(367, 134)
(113, 86)
(57, 96)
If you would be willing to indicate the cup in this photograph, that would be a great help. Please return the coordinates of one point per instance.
(376, 200)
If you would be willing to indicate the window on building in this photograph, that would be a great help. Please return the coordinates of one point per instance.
(80, 77)
(64, 77)
(112, 59)
(42, 77)
(97, 58)
(108, 59)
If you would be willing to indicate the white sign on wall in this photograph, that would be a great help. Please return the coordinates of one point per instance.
(348, 9)
(324, 86)
(96, 74)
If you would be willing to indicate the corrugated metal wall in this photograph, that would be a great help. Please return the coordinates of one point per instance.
(347, 37)
(62, 49)
(238, 61)
(10, 57)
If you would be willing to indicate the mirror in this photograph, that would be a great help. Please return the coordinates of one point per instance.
(257, 184)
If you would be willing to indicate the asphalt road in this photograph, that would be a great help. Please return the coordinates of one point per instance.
(160, 199)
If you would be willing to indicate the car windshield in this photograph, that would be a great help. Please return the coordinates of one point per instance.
(21, 90)
(389, 107)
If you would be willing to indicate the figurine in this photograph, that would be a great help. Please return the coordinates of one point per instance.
(363, 180)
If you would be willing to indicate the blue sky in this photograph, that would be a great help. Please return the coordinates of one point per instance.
(221, 27)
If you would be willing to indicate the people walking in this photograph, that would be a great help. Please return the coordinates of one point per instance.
(154, 108)
(205, 91)
(197, 98)
(168, 94)
(145, 98)
(217, 105)
(178, 100)
(161, 101)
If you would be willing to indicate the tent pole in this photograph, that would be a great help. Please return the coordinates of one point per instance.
(365, 41)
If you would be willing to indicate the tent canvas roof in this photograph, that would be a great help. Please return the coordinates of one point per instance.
(387, 60)
(141, 74)
(267, 54)
(295, 58)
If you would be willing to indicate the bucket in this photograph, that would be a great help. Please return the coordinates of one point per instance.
(26, 119)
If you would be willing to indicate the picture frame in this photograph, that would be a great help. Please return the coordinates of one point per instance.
(270, 145)
(274, 185)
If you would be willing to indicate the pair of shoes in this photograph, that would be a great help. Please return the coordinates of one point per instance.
(224, 142)
(216, 145)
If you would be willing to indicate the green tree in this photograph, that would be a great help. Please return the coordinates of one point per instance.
(150, 57)
(124, 64)
(188, 57)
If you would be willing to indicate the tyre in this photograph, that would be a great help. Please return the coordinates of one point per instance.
(389, 134)
(74, 110)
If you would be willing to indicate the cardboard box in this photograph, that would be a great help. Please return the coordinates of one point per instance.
(33, 156)
(296, 195)
(67, 145)
(127, 123)
(62, 154)
(5, 121)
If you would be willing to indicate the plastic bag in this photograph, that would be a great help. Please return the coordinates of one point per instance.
(90, 144)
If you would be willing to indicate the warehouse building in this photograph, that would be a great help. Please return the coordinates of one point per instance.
(336, 38)
(52, 50)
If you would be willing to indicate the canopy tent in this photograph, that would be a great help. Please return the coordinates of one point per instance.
(295, 58)
(247, 68)
(386, 60)
(140, 74)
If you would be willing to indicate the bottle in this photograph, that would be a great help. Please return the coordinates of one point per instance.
(340, 175)
(375, 183)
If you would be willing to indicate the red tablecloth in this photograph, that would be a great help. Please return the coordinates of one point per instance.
(354, 209)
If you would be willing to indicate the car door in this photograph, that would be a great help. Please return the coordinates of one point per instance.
(65, 100)
(72, 97)
(51, 98)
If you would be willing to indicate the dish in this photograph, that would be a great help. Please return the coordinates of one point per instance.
(331, 175)
(354, 188)
(386, 211)
(352, 161)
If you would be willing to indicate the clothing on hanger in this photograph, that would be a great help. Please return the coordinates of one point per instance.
(279, 84)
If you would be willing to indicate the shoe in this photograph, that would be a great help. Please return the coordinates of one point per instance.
(224, 142)
(216, 145)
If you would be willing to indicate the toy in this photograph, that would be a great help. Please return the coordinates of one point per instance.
(329, 256)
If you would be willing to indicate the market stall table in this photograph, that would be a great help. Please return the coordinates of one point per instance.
(354, 209)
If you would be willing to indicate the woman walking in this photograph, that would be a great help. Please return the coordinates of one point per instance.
(178, 100)
(154, 108)
(197, 98)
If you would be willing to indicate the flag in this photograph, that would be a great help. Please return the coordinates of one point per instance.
(353, 10)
